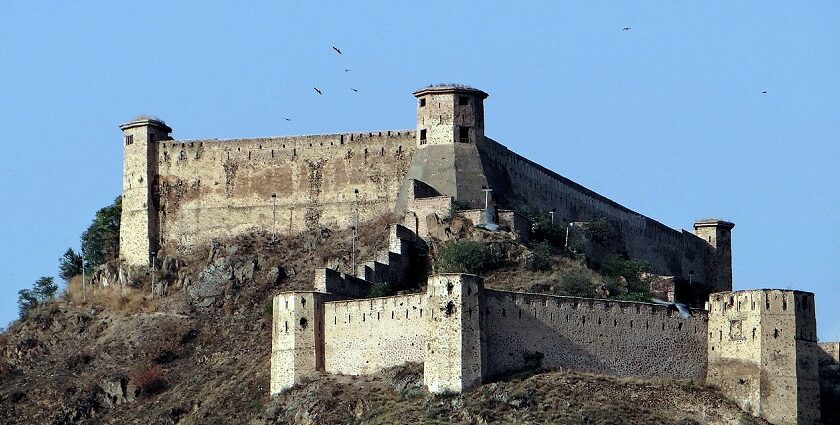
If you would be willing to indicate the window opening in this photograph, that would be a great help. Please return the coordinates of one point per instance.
(463, 100)
(464, 134)
(423, 137)
(422, 102)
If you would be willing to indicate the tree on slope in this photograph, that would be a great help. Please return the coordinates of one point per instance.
(101, 241)
(42, 291)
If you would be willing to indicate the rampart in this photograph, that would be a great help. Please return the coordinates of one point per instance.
(216, 188)
(364, 336)
(614, 337)
(519, 181)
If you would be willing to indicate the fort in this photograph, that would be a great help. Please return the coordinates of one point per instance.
(758, 346)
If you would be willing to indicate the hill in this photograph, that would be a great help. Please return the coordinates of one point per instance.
(198, 352)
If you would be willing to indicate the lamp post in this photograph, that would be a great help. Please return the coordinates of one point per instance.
(551, 215)
(355, 228)
(566, 244)
(273, 216)
(486, 191)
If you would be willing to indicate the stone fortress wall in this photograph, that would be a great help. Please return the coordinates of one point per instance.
(181, 193)
(604, 336)
(211, 189)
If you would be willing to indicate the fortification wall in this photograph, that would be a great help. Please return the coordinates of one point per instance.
(517, 180)
(364, 336)
(619, 338)
(215, 188)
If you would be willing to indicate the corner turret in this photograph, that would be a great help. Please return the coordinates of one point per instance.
(717, 234)
(139, 223)
(449, 114)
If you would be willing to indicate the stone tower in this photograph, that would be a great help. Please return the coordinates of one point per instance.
(139, 208)
(718, 235)
(762, 353)
(450, 123)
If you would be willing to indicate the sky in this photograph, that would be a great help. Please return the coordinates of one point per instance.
(668, 118)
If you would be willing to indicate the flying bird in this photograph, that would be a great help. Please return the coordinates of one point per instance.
(764, 92)
(685, 313)
(626, 29)
(347, 70)
(319, 91)
(336, 49)
(354, 90)
(287, 119)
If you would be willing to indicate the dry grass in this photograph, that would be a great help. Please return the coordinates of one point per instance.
(114, 298)
(149, 380)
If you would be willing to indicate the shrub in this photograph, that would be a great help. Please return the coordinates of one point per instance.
(601, 231)
(540, 258)
(101, 240)
(42, 291)
(380, 289)
(149, 380)
(466, 257)
(577, 285)
(69, 265)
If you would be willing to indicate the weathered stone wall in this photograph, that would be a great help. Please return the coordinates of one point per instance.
(518, 181)
(363, 336)
(763, 353)
(830, 381)
(456, 355)
(211, 188)
(529, 331)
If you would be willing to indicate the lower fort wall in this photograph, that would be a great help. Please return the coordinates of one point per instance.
(364, 336)
(530, 331)
(209, 188)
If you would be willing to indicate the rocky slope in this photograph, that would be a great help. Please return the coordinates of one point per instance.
(198, 353)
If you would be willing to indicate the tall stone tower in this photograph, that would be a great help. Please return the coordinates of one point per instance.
(450, 123)
(139, 224)
(718, 263)
(762, 353)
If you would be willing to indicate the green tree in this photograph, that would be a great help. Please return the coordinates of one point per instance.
(69, 265)
(43, 291)
(101, 241)
(26, 302)
(45, 288)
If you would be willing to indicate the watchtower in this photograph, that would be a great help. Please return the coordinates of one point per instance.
(139, 223)
(717, 234)
(762, 353)
(450, 123)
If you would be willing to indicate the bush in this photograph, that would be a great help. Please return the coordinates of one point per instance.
(69, 265)
(381, 289)
(149, 380)
(540, 259)
(466, 257)
(577, 285)
(101, 241)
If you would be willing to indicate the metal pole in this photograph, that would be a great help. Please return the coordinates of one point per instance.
(273, 216)
(551, 214)
(566, 245)
(153, 273)
(355, 228)
(84, 288)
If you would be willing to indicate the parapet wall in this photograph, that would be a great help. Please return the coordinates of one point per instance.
(619, 338)
(519, 181)
(364, 336)
(215, 188)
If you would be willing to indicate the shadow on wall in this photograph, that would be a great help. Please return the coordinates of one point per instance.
(530, 332)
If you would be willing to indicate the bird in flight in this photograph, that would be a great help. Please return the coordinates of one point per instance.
(336, 49)
(354, 90)
(764, 92)
(287, 119)
(626, 29)
(319, 91)
(347, 70)
(685, 313)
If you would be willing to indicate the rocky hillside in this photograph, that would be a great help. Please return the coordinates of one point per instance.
(197, 352)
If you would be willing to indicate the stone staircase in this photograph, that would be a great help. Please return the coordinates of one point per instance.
(388, 266)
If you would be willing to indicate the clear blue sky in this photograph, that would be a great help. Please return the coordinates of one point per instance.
(667, 118)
